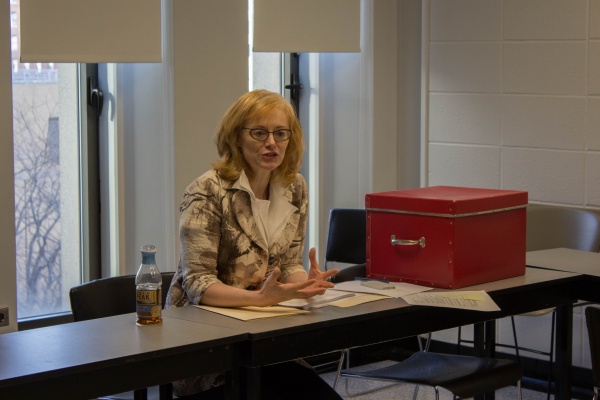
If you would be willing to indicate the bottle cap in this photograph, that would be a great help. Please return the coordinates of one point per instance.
(148, 248)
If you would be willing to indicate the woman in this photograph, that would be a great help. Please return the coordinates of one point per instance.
(242, 230)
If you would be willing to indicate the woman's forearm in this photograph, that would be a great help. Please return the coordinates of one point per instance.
(221, 295)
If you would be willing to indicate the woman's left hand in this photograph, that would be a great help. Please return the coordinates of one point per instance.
(315, 273)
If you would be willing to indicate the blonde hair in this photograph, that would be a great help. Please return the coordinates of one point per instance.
(251, 106)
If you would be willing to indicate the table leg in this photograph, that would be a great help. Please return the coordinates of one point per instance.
(484, 336)
(564, 352)
(165, 391)
(232, 384)
(253, 378)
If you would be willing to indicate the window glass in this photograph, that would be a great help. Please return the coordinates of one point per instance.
(46, 164)
(267, 71)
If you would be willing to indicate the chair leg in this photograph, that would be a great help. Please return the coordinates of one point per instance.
(422, 348)
(416, 392)
(551, 354)
(140, 394)
(427, 342)
(344, 356)
(519, 392)
(514, 329)
(596, 393)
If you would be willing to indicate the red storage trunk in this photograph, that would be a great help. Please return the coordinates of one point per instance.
(445, 236)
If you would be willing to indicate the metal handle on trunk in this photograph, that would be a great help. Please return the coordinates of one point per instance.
(402, 242)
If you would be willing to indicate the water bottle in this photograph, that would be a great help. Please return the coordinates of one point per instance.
(148, 289)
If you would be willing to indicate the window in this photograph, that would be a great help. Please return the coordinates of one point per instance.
(49, 157)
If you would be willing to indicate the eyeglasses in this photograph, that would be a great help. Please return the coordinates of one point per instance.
(280, 135)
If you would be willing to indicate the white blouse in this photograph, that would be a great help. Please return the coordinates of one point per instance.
(271, 215)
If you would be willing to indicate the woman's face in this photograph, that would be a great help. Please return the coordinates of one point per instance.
(264, 157)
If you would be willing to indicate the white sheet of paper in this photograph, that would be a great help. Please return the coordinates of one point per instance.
(249, 313)
(323, 300)
(359, 298)
(400, 289)
(466, 300)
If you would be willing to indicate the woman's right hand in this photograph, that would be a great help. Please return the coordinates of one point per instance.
(273, 292)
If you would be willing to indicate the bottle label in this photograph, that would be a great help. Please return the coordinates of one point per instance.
(148, 305)
(147, 297)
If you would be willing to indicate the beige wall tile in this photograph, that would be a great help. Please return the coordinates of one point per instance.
(465, 118)
(594, 68)
(466, 20)
(545, 68)
(545, 19)
(465, 67)
(460, 165)
(594, 19)
(553, 176)
(593, 180)
(593, 123)
(544, 121)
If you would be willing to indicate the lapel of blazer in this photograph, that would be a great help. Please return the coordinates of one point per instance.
(242, 209)
(285, 206)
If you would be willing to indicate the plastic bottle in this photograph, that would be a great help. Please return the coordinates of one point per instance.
(148, 289)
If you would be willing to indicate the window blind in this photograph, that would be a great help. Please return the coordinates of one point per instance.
(91, 31)
(306, 26)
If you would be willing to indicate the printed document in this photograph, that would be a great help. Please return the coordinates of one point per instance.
(400, 288)
(466, 300)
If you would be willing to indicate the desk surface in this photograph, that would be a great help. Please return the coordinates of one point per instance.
(385, 319)
(562, 259)
(89, 358)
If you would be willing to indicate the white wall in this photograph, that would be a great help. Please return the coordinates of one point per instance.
(513, 101)
(513, 95)
(8, 277)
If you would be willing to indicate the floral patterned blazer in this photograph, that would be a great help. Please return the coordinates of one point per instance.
(221, 242)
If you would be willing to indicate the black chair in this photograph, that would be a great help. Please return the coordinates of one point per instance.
(347, 242)
(114, 296)
(464, 376)
(592, 318)
(549, 227)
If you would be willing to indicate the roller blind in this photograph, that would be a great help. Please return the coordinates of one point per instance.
(91, 31)
(306, 26)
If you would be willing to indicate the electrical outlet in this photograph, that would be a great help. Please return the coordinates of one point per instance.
(4, 316)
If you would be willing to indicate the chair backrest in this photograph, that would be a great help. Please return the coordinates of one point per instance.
(347, 237)
(551, 226)
(109, 296)
(592, 317)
